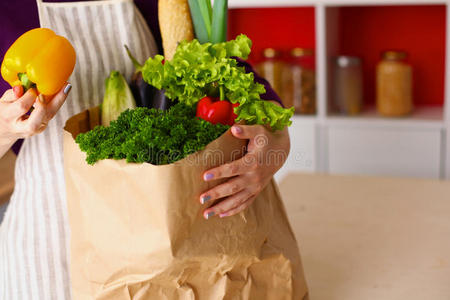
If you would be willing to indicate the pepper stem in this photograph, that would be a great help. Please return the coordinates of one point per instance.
(25, 81)
(222, 93)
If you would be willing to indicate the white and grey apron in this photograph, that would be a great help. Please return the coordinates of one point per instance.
(34, 236)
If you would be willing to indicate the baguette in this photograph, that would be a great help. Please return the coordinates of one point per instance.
(175, 23)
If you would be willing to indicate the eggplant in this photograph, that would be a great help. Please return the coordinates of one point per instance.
(145, 94)
(142, 91)
(160, 101)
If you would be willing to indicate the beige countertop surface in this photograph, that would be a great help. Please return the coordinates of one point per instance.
(7, 163)
(371, 238)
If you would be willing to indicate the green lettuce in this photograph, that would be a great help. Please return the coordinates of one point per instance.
(118, 97)
(198, 70)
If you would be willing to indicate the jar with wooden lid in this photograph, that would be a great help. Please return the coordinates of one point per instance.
(271, 68)
(299, 81)
(394, 85)
(347, 85)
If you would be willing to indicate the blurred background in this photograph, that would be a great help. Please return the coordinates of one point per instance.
(368, 83)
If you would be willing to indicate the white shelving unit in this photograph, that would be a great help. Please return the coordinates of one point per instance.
(316, 3)
(422, 117)
(417, 146)
(446, 146)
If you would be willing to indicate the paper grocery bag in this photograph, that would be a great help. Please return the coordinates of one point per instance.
(137, 230)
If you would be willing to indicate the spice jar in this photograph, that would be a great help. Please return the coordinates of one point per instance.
(272, 68)
(347, 85)
(394, 85)
(299, 82)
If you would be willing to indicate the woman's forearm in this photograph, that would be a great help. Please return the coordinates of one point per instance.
(285, 140)
(5, 145)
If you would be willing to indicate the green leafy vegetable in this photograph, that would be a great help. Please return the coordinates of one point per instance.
(118, 97)
(149, 135)
(265, 112)
(199, 70)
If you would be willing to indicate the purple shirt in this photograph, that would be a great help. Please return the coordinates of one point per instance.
(270, 93)
(20, 16)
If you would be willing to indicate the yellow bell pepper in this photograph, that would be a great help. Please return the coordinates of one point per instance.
(39, 58)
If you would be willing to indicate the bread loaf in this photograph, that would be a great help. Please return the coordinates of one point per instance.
(175, 23)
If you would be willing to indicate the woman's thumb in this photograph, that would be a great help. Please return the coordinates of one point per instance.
(246, 131)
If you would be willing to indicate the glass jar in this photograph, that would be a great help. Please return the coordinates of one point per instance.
(299, 82)
(394, 85)
(347, 85)
(272, 69)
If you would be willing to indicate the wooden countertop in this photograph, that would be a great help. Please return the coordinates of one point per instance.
(7, 164)
(371, 238)
(361, 238)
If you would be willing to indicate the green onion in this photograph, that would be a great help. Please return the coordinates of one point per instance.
(219, 21)
(210, 23)
(208, 3)
(201, 31)
(206, 14)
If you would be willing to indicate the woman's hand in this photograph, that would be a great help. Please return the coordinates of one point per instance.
(266, 153)
(14, 121)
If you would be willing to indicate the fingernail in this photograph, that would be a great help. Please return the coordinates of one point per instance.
(237, 129)
(18, 91)
(223, 215)
(209, 215)
(205, 198)
(67, 89)
(208, 176)
(41, 98)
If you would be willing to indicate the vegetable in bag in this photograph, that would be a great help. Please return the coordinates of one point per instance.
(39, 58)
(118, 97)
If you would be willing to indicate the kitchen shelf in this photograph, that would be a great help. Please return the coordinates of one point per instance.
(317, 142)
(249, 21)
(430, 117)
(297, 118)
(269, 3)
(418, 30)
(292, 3)
(426, 117)
(380, 2)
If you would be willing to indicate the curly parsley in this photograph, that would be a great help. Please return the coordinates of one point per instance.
(150, 135)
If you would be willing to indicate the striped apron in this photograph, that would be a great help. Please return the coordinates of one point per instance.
(34, 235)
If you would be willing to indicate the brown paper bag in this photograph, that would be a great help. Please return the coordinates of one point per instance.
(137, 230)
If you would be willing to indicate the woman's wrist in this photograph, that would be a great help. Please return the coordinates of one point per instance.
(5, 145)
(7, 141)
